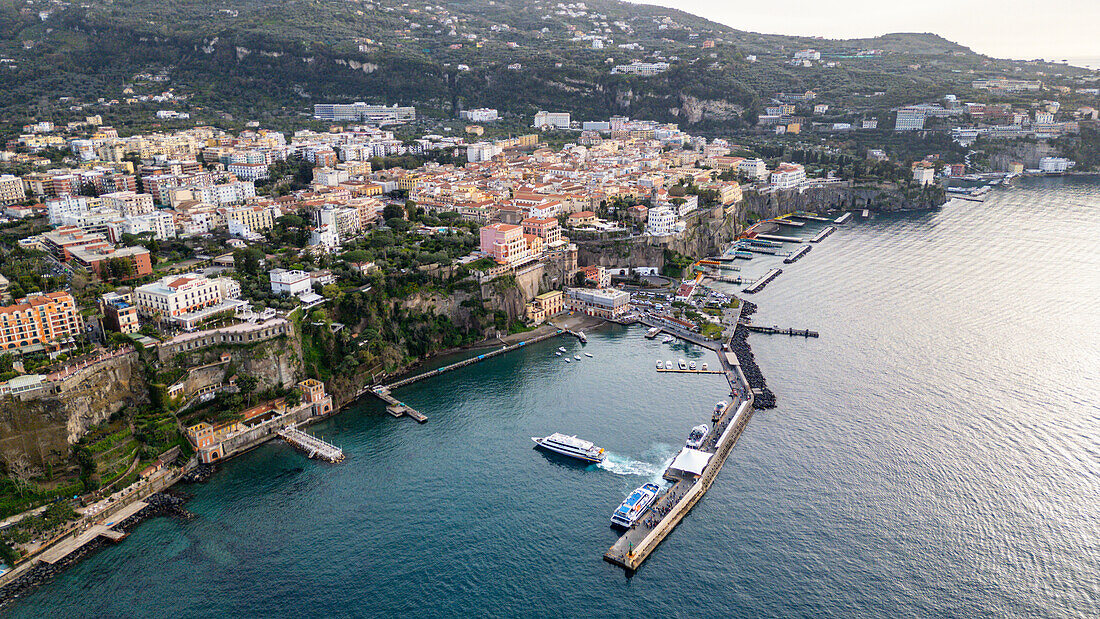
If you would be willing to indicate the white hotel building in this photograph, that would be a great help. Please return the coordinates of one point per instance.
(183, 298)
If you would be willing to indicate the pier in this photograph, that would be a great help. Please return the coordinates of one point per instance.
(843, 219)
(689, 371)
(762, 243)
(742, 255)
(729, 279)
(68, 546)
(779, 331)
(824, 233)
(311, 445)
(787, 222)
(759, 284)
(639, 542)
(796, 255)
(757, 250)
(809, 217)
(779, 237)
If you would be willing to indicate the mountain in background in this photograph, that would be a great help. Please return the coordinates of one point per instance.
(265, 59)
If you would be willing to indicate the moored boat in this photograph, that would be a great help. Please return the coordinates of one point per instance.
(635, 505)
(660, 364)
(561, 348)
(683, 364)
(589, 355)
(697, 436)
(570, 446)
(691, 365)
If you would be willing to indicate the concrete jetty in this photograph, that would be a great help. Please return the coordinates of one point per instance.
(824, 233)
(639, 542)
(759, 284)
(797, 255)
(780, 331)
(843, 219)
(72, 544)
(780, 238)
(809, 217)
(787, 222)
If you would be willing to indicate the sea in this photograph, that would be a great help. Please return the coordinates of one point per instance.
(935, 453)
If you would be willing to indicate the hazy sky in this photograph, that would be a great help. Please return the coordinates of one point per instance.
(1019, 29)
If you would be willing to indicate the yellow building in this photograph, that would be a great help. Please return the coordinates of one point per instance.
(49, 320)
(409, 182)
(545, 305)
(255, 217)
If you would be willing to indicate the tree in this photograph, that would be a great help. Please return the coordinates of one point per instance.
(393, 211)
(247, 383)
(248, 260)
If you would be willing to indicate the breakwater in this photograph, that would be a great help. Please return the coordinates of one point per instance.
(739, 345)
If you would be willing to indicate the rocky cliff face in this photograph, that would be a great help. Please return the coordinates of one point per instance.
(711, 231)
(40, 432)
(764, 206)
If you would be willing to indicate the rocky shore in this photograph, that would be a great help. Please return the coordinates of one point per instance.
(765, 399)
(198, 474)
(160, 504)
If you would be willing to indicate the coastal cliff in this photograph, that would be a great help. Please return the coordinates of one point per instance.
(38, 433)
(878, 198)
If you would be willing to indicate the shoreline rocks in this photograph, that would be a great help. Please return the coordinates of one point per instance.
(765, 399)
(160, 504)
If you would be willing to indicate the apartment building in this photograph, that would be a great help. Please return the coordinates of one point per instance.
(11, 190)
(128, 203)
(289, 282)
(546, 228)
(362, 112)
(556, 120)
(119, 312)
(48, 320)
(788, 176)
(508, 244)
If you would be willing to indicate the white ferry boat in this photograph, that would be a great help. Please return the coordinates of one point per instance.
(660, 364)
(697, 436)
(635, 505)
(683, 364)
(570, 446)
(652, 333)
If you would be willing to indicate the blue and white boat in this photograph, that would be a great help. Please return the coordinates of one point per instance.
(635, 505)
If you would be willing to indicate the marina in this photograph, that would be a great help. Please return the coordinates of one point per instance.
(759, 284)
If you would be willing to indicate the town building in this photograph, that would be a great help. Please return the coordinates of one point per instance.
(605, 303)
(545, 305)
(119, 312)
(909, 119)
(788, 176)
(40, 321)
(553, 120)
(128, 203)
(479, 115)
(11, 190)
(290, 282)
(187, 299)
(661, 221)
(363, 112)
(508, 245)
(924, 173)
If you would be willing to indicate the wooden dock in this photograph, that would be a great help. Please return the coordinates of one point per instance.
(797, 255)
(824, 233)
(780, 331)
(72, 544)
(311, 445)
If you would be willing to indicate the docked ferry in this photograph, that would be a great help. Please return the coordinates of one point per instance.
(570, 446)
(635, 505)
(698, 435)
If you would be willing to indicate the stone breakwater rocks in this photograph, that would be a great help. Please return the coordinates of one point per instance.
(160, 504)
(765, 399)
(198, 474)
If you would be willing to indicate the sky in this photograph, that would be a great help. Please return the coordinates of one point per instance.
(1017, 29)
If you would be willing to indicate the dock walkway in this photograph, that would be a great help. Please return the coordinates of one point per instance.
(311, 445)
(72, 544)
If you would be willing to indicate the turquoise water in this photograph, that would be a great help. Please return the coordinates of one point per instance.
(935, 453)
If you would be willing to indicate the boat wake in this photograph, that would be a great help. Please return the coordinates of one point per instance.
(621, 465)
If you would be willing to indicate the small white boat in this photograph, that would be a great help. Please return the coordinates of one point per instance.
(567, 359)
(660, 364)
(561, 348)
(557, 352)
(588, 355)
(683, 364)
(668, 364)
(668, 338)
(704, 367)
(577, 357)
(691, 366)
(697, 436)
(582, 337)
